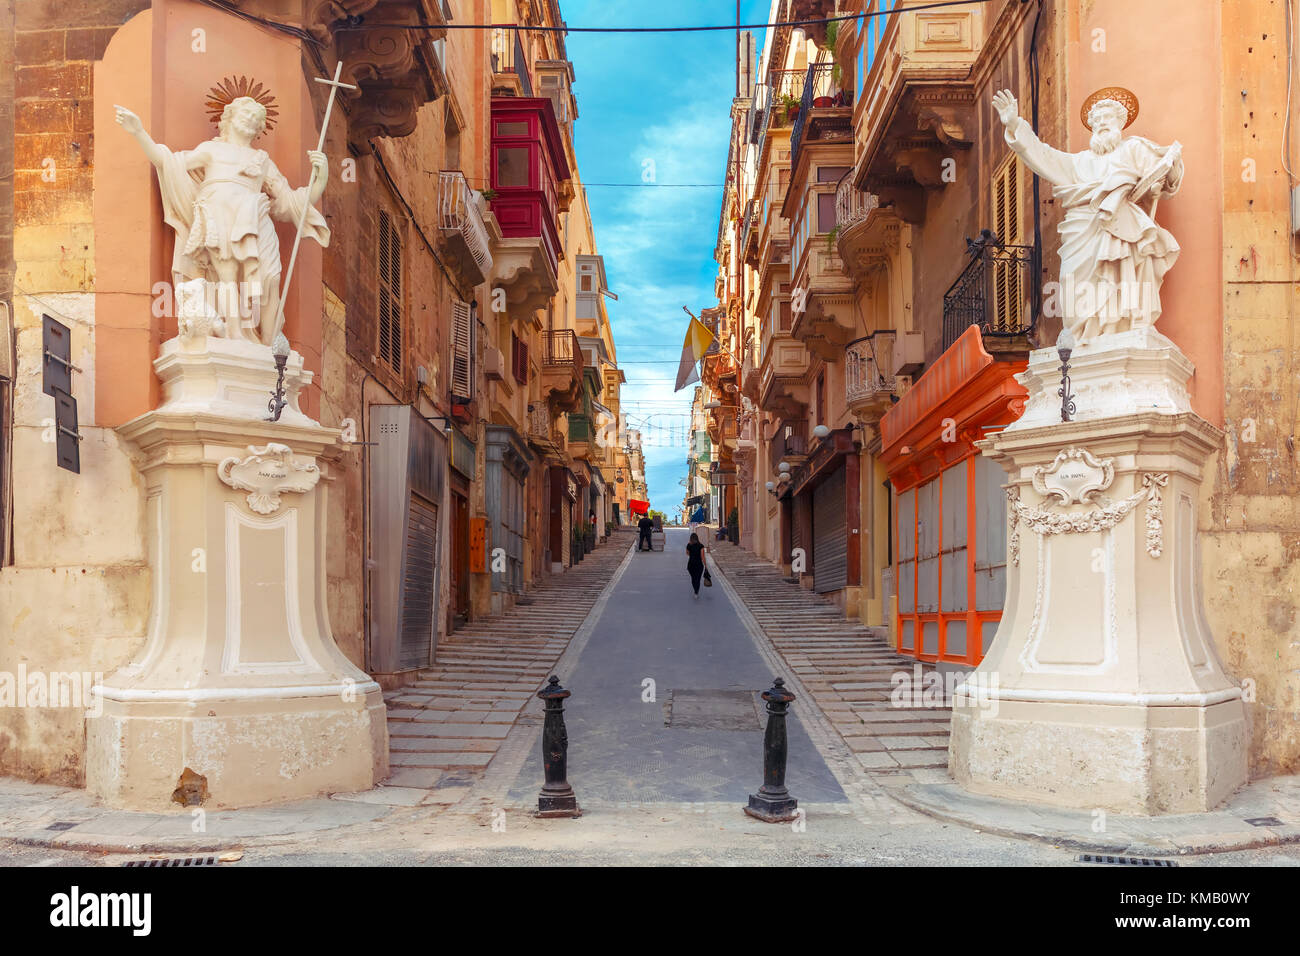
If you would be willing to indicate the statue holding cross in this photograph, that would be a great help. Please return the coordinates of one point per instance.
(221, 198)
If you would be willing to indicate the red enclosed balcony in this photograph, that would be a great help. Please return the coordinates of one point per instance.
(529, 169)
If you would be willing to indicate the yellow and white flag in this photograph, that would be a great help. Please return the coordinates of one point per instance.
(698, 340)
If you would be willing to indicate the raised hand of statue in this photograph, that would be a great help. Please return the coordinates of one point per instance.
(128, 121)
(1007, 107)
(320, 169)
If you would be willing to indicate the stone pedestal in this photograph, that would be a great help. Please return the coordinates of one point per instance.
(240, 680)
(1102, 688)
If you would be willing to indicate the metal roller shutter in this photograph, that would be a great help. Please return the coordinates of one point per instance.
(830, 535)
(418, 597)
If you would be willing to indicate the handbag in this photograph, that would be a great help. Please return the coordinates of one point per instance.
(708, 581)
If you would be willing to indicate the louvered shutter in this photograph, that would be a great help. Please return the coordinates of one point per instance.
(1006, 224)
(461, 372)
(390, 293)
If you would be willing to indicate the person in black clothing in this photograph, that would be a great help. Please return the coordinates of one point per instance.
(695, 562)
(646, 526)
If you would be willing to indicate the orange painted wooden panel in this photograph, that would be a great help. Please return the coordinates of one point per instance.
(478, 545)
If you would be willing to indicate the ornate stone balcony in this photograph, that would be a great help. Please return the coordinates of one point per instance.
(869, 384)
(541, 429)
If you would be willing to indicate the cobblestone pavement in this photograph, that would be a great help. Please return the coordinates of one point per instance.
(446, 726)
(849, 669)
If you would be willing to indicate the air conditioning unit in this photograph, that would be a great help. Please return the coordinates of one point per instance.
(909, 353)
(408, 465)
(494, 365)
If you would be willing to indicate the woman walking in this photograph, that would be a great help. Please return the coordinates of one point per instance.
(695, 562)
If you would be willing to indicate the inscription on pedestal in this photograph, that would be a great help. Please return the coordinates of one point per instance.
(267, 473)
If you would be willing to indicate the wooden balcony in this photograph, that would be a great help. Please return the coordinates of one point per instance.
(782, 386)
(918, 101)
(529, 167)
(581, 436)
(562, 366)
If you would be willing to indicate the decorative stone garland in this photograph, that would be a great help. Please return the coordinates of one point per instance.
(1099, 519)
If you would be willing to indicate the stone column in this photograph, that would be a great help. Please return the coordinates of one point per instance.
(240, 680)
(1103, 688)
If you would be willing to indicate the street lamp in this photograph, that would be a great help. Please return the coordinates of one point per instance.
(1064, 346)
(280, 349)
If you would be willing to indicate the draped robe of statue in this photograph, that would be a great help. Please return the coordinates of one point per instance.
(223, 209)
(1113, 253)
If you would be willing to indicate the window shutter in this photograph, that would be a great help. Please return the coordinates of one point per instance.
(390, 293)
(1006, 224)
(460, 349)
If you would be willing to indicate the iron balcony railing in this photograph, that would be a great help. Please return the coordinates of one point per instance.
(508, 56)
(868, 368)
(458, 212)
(560, 348)
(852, 205)
(818, 91)
(994, 291)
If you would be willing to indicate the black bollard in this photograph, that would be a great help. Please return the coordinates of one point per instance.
(557, 798)
(773, 803)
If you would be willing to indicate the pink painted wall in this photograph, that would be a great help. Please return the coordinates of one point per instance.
(1167, 52)
(159, 67)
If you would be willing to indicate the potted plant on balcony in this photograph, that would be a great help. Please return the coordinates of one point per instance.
(790, 107)
(489, 194)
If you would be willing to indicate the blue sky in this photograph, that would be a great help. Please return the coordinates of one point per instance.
(664, 98)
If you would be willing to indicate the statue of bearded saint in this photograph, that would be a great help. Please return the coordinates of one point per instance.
(1113, 254)
(221, 198)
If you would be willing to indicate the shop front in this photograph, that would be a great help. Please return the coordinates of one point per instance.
(507, 466)
(824, 496)
(949, 551)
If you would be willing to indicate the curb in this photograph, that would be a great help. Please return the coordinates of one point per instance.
(933, 801)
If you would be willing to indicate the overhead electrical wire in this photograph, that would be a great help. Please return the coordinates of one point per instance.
(361, 24)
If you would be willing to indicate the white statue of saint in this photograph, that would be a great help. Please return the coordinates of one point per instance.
(221, 198)
(1113, 254)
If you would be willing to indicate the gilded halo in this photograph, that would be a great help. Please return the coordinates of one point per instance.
(1124, 97)
(230, 89)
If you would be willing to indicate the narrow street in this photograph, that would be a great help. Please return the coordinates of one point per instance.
(665, 706)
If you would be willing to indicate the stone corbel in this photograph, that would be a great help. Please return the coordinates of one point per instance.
(906, 200)
(948, 123)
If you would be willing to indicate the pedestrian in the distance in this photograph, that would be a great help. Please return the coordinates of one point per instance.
(645, 525)
(695, 566)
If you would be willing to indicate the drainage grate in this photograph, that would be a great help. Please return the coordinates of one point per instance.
(175, 861)
(62, 825)
(1124, 860)
(712, 710)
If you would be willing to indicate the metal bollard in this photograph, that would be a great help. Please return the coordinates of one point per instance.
(773, 803)
(556, 798)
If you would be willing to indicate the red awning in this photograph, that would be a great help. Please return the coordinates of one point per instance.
(638, 507)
